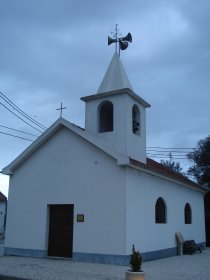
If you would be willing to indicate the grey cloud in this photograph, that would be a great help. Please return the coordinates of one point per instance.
(53, 51)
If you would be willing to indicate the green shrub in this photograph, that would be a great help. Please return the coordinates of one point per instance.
(135, 260)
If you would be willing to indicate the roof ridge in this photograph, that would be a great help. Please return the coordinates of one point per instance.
(163, 170)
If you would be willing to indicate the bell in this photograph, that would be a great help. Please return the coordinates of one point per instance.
(135, 125)
(111, 40)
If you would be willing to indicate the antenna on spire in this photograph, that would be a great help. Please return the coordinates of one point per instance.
(122, 42)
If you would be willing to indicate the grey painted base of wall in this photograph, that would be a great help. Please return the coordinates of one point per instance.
(102, 258)
(123, 259)
(97, 258)
(25, 252)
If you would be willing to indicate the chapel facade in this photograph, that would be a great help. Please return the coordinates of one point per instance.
(89, 194)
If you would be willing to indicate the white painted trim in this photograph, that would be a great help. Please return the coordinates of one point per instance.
(128, 91)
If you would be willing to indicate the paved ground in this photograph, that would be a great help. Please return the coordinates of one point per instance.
(187, 267)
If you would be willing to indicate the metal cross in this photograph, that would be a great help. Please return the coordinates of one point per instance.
(61, 109)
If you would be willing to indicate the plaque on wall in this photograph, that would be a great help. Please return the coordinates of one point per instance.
(80, 218)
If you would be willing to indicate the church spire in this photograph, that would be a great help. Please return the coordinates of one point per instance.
(115, 77)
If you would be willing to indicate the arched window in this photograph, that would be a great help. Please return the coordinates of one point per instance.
(106, 117)
(136, 120)
(187, 214)
(160, 211)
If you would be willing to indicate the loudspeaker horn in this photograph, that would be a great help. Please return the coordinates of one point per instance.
(128, 38)
(111, 40)
(123, 44)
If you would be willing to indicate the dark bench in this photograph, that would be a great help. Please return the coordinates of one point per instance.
(190, 247)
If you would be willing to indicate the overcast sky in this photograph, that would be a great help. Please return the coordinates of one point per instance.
(53, 51)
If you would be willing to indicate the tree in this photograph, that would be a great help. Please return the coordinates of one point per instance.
(200, 157)
(200, 170)
(172, 164)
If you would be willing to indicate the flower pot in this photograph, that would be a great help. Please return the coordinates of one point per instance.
(130, 275)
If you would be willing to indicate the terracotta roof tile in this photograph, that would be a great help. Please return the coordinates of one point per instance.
(163, 170)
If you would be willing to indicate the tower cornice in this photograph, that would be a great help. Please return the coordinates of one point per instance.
(117, 92)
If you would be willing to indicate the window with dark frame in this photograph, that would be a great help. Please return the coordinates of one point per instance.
(160, 211)
(187, 214)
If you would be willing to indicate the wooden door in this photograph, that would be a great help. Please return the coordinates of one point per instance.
(61, 230)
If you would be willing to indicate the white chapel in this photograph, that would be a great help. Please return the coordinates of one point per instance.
(89, 194)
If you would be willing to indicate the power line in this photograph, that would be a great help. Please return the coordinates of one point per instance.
(171, 148)
(18, 130)
(167, 153)
(165, 157)
(20, 111)
(164, 151)
(20, 117)
(16, 136)
(169, 156)
(159, 154)
(15, 107)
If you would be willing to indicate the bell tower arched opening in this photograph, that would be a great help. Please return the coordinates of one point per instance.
(105, 114)
(136, 119)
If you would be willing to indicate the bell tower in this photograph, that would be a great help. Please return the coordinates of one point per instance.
(116, 114)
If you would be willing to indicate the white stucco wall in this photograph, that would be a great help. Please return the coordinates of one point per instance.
(68, 170)
(143, 190)
(118, 202)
